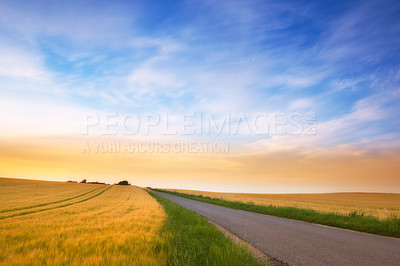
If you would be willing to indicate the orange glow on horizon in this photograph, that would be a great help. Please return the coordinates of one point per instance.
(267, 172)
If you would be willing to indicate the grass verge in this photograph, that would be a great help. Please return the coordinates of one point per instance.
(191, 240)
(353, 221)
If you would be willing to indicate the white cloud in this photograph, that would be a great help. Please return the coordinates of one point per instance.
(357, 132)
(31, 115)
(299, 80)
(339, 85)
(166, 46)
(148, 80)
(301, 104)
(19, 63)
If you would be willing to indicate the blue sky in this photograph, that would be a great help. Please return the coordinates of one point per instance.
(339, 59)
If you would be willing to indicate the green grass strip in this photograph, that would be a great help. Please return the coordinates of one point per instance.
(48, 203)
(353, 221)
(55, 207)
(191, 240)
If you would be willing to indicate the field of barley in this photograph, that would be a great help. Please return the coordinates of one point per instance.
(379, 205)
(60, 223)
(65, 223)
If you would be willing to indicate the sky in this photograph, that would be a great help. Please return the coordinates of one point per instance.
(241, 96)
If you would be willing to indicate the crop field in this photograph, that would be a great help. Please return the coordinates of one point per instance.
(65, 223)
(57, 223)
(379, 205)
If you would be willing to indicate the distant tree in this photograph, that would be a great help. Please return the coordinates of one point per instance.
(84, 181)
(96, 182)
(123, 183)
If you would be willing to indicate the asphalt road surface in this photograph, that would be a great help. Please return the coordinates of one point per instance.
(296, 242)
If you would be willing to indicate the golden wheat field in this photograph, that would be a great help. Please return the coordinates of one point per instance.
(82, 224)
(380, 205)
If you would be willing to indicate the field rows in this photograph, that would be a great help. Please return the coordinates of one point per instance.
(47, 203)
(53, 223)
(80, 224)
(55, 204)
(17, 193)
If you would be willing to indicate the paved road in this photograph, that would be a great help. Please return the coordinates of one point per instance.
(297, 242)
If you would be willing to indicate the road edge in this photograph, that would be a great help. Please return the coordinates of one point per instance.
(257, 254)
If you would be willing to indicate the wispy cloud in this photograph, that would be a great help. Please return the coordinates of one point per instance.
(363, 130)
(75, 20)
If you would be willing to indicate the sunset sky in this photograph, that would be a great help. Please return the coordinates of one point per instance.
(302, 96)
